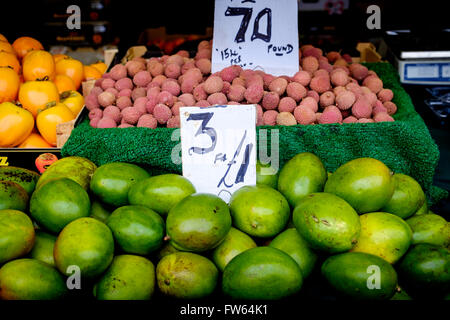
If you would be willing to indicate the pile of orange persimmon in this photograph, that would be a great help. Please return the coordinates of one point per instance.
(38, 91)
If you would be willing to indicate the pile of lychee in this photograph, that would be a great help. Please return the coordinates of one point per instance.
(327, 89)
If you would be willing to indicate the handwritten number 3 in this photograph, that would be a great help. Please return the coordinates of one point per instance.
(247, 13)
(204, 117)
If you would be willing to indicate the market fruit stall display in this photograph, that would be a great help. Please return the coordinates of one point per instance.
(136, 236)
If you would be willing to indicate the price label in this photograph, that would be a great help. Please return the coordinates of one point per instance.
(256, 34)
(218, 148)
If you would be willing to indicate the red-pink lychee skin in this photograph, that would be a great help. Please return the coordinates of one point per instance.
(286, 119)
(95, 113)
(204, 53)
(226, 87)
(355, 88)
(332, 56)
(154, 86)
(119, 71)
(124, 83)
(259, 115)
(188, 65)
(175, 59)
(304, 115)
(313, 52)
(324, 65)
(338, 90)
(254, 93)
(147, 121)
(133, 67)
(358, 71)
(340, 62)
(108, 83)
(124, 93)
(125, 125)
(153, 92)
(230, 73)
(278, 85)
(238, 81)
(270, 117)
(123, 102)
(372, 98)
(383, 117)
(267, 79)
(310, 64)
(114, 91)
(140, 103)
(346, 113)
(327, 99)
(202, 104)
(106, 122)
(106, 75)
(200, 93)
(302, 77)
(345, 100)
(373, 83)
(365, 120)
(176, 108)
(204, 65)
(204, 44)
(91, 102)
(193, 73)
(311, 103)
(155, 68)
(171, 86)
(166, 98)
(344, 68)
(106, 99)
(385, 95)
(159, 79)
(306, 47)
(152, 101)
(98, 83)
(362, 108)
(270, 100)
(391, 107)
(320, 84)
(213, 84)
(112, 112)
(187, 99)
(321, 73)
(287, 104)
(255, 79)
(313, 94)
(217, 98)
(172, 71)
(173, 122)
(138, 92)
(331, 114)
(131, 115)
(231, 103)
(188, 85)
(246, 73)
(94, 122)
(296, 91)
(142, 78)
(236, 93)
(96, 91)
(339, 78)
(350, 119)
(162, 113)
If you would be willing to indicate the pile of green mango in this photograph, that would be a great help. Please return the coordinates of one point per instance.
(117, 233)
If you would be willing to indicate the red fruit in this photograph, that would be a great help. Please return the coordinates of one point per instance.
(44, 160)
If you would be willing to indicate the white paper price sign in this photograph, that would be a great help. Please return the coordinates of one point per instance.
(218, 148)
(256, 34)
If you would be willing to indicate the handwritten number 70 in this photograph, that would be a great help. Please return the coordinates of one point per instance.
(247, 15)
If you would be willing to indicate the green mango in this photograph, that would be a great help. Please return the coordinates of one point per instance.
(327, 222)
(127, 278)
(423, 209)
(365, 183)
(292, 243)
(424, 271)
(384, 235)
(78, 169)
(59, 202)
(198, 223)
(16, 235)
(234, 243)
(99, 211)
(360, 276)
(166, 250)
(30, 279)
(137, 229)
(112, 181)
(13, 196)
(259, 211)
(186, 275)
(86, 243)
(262, 273)
(302, 175)
(431, 229)
(408, 197)
(43, 248)
(27, 179)
(265, 175)
(160, 193)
